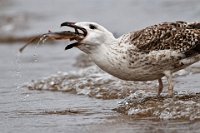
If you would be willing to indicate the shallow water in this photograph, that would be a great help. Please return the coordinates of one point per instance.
(24, 110)
(65, 98)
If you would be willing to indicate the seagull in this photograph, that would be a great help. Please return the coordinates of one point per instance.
(144, 55)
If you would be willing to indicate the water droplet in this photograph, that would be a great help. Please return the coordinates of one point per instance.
(26, 96)
(35, 58)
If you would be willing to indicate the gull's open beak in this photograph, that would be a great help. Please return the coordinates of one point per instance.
(76, 28)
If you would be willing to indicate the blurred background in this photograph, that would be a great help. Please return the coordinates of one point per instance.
(20, 19)
(24, 17)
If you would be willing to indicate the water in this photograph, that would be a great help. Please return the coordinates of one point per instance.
(65, 98)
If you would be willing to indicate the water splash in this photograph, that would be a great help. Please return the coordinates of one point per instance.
(139, 98)
(92, 82)
(142, 105)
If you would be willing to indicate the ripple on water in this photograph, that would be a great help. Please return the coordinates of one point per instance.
(90, 81)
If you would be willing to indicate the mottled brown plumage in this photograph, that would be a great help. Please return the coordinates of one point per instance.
(179, 36)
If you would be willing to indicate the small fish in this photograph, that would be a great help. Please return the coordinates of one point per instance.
(62, 35)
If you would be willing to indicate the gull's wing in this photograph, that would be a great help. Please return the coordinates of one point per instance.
(178, 36)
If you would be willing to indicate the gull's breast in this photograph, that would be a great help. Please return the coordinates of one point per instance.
(141, 66)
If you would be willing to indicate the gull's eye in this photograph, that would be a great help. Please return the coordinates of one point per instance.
(91, 26)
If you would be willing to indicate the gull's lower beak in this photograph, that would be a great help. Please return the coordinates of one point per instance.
(73, 25)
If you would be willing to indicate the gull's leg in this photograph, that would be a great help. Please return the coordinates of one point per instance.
(160, 87)
(168, 74)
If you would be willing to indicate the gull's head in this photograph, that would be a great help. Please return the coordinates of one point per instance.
(92, 36)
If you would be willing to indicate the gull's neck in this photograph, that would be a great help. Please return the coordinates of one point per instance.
(108, 55)
(107, 47)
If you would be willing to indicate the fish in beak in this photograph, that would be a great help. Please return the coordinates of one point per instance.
(78, 35)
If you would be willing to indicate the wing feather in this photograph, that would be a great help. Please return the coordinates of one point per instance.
(178, 36)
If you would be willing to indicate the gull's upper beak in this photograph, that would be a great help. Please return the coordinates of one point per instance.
(77, 28)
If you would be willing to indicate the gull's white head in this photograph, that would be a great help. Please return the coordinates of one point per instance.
(96, 34)
(93, 35)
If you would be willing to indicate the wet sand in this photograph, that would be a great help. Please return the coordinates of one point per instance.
(47, 89)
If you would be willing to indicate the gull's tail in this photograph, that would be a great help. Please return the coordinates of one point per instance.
(196, 39)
